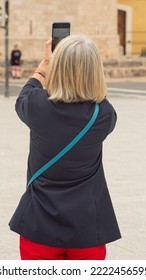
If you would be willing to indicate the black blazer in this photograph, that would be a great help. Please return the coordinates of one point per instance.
(69, 204)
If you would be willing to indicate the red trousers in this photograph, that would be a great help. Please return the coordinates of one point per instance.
(30, 250)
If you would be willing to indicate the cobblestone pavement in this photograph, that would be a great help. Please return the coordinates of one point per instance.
(124, 160)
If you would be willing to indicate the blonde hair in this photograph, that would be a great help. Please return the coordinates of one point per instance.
(75, 72)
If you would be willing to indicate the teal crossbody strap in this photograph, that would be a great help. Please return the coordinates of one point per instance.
(68, 147)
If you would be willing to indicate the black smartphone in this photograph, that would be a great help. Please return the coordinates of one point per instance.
(60, 30)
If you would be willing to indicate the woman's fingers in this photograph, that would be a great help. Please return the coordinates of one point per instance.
(48, 49)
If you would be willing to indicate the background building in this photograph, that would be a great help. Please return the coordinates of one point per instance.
(132, 26)
(30, 24)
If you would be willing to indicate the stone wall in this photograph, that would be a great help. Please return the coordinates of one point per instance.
(30, 24)
(125, 68)
(113, 68)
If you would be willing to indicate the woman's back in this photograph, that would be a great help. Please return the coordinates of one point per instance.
(54, 124)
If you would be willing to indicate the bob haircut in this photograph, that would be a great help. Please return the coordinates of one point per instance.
(75, 72)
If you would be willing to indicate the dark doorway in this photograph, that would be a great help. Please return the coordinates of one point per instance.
(122, 29)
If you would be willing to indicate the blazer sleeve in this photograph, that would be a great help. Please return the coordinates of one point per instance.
(32, 88)
(106, 121)
(113, 119)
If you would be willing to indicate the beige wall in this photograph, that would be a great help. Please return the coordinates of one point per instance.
(30, 24)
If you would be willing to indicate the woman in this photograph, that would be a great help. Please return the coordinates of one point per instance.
(66, 212)
(15, 62)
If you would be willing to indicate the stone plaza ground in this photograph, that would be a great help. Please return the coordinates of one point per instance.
(124, 161)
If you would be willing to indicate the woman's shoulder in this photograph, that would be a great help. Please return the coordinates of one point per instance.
(106, 107)
(34, 91)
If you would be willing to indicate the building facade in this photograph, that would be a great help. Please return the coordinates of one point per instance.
(30, 24)
(132, 26)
